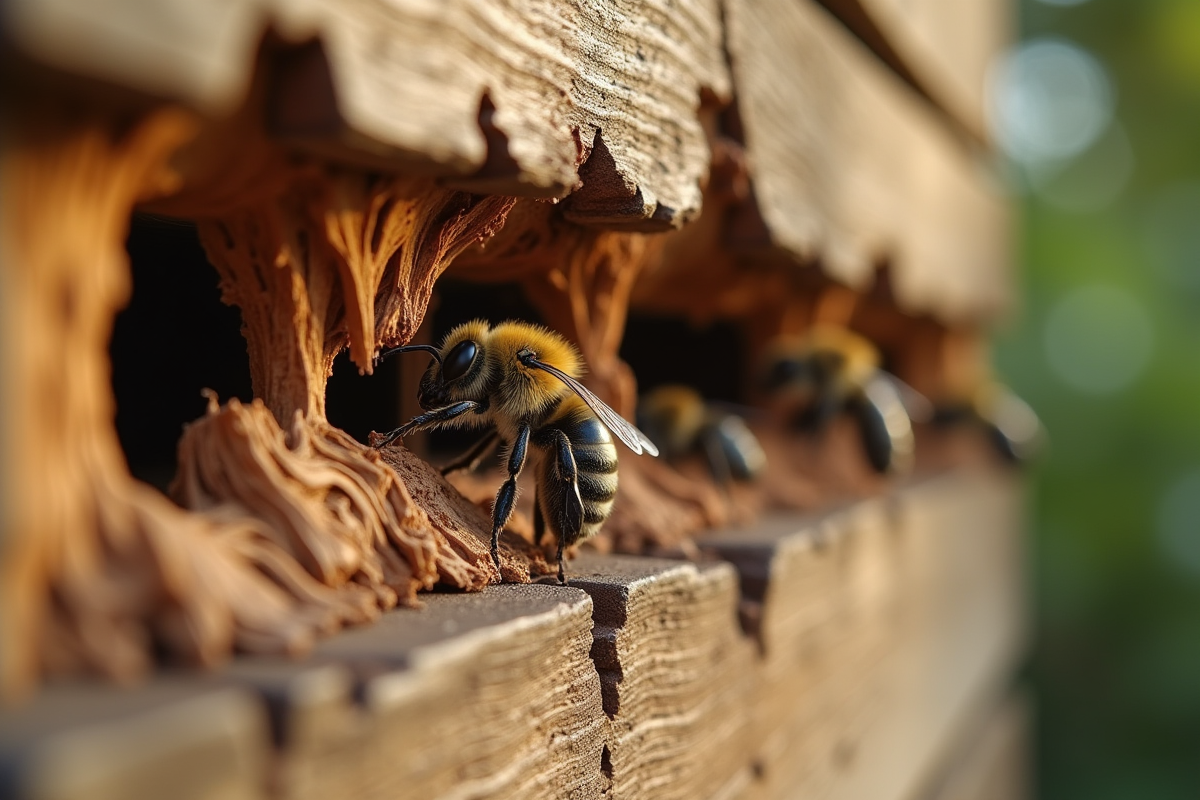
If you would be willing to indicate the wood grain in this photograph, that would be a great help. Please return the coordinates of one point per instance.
(676, 673)
(511, 97)
(883, 628)
(861, 653)
(483, 695)
(171, 740)
(852, 169)
(943, 49)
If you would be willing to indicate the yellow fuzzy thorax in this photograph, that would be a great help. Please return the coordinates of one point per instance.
(676, 412)
(519, 390)
(860, 357)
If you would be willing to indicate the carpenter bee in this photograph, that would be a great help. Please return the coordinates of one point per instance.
(520, 381)
(680, 422)
(832, 370)
(1011, 425)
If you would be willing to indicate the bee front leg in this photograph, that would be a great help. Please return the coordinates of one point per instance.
(506, 498)
(430, 419)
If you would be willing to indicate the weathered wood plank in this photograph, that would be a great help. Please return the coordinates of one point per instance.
(883, 627)
(476, 695)
(879, 636)
(168, 740)
(510, 97)
(994, 763)
(853, 168)
(942, 48)
(677, 675)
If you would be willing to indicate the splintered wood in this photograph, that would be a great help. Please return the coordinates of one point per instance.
(344, 261)
(393, 83)
(99, 570)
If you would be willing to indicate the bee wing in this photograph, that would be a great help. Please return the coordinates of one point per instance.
(918, 406)
(634, 439)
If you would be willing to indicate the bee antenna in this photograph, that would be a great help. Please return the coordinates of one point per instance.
(408, 348)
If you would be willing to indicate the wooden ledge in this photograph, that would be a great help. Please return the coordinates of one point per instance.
(677, 675)
(884, 632)
(174, 739)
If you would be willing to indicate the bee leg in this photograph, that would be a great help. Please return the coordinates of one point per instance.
(872, 429)
(430, 419)
(570, 524)
(506, 498)
(718, 461)
(470, 459)
(818, 417)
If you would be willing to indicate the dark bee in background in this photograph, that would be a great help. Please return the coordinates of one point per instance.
(1012, 427)
(681, 423)
(830, 371)
(520, 381)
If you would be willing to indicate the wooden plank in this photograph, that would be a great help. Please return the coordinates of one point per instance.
(880, 635)
(511, 97)
(943, 49)
(476, 695)
(883, 627)
(172, 739)
(852, 168)
(677, 674)
(994, 762)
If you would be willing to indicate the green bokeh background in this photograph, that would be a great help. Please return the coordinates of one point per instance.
(1116, 667)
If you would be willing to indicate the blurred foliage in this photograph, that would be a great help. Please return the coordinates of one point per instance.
(1116, 666)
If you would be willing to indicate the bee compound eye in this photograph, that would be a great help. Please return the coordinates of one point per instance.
(458, 361)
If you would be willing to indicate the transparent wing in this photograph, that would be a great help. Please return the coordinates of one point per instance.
(634, 439)
(916, 404)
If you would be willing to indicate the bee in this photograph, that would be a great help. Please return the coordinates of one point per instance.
(520, 381)
(1011, 425)
(832, 370)
(680, 422)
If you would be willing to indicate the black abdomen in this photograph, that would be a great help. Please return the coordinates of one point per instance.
(595, 458)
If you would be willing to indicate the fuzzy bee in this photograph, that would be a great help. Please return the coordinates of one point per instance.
(1012, 427)
(680, 422)
(521, 381)
(832, 370)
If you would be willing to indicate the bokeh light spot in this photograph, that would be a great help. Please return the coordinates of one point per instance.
(1098, 339)
(1048, 100)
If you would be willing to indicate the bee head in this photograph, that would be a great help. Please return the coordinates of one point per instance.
(455, 373)
(786, 371)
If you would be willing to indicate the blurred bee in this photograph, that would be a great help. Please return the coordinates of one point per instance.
(520, 380)
(1011, 425)
(680, 422)
(832, 370)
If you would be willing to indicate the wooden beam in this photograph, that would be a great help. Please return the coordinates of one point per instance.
(853, 170)
(676, 672)
(882, 628)
(994, 761)
(518, 98)
(849, 655)
(175, 739)
(942, 49)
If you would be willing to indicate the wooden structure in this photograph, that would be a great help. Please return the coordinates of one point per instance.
(776, 164)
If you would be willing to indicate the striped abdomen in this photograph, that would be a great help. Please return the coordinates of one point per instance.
(595, 457)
